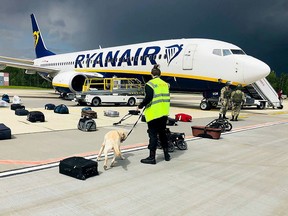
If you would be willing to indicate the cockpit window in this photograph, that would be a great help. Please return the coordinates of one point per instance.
(217, 52)
(238, 52)
(226, 52)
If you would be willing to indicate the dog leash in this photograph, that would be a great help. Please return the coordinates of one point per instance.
(134, 124)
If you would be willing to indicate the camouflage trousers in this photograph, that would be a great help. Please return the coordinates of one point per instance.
(236, 107)
(224, 106)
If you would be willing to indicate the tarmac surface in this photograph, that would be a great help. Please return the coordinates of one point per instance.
(245, 172)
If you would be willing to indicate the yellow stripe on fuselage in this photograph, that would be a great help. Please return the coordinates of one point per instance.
(132, 72)
(166, 74)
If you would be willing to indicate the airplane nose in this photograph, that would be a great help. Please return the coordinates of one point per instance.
(255, 70)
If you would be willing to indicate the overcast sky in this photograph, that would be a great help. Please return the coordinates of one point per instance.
(259, 27)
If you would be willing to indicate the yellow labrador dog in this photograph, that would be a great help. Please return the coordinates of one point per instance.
(112, 140)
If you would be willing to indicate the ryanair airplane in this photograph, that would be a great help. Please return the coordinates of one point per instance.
(195, 65)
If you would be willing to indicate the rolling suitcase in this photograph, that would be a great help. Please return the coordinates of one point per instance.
(34, 116)
(78, 167)
(5, 132)
(21, 112)
(111, 113)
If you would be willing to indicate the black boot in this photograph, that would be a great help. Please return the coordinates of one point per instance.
(151, 159)
(220, 116)
(236, 118)
(232, 118)
(224, 117)
(166, 154)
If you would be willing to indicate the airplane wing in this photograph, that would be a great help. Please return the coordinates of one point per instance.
(26, 61)
(25, 65)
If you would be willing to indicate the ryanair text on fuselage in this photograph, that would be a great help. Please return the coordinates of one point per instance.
(116, 59)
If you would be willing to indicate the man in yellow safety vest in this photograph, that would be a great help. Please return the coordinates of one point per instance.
(157, 106)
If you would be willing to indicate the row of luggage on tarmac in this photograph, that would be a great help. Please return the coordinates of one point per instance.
(16, 99)
(82, 168)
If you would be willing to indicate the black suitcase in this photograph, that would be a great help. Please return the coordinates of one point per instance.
(34, 116)
(5, 132)
(78, 167)
(17, 106)
(21, 112)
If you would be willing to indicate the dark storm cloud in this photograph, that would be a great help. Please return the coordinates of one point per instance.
(259, 27)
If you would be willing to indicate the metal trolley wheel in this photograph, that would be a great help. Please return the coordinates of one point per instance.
(181, 144)
(171, 147)
(228, 126)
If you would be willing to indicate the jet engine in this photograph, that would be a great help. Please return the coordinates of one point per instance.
(69, 81)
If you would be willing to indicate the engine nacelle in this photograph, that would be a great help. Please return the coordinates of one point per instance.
(69, 81)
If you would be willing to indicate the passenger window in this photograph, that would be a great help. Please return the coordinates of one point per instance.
(217, 52)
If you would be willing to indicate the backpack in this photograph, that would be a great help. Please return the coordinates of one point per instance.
(49, 106)
(86, 124)
(86, 109)
(62, 109)
(237, 97)
(5, 97)
(227, 93)
(183, 117)
(16, 100)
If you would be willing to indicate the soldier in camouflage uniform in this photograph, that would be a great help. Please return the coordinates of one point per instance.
(237, 98)
(225, 100)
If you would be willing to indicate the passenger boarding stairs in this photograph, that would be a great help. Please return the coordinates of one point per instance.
(262, 90)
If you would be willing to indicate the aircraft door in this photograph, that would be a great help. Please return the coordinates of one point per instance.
(189, 57)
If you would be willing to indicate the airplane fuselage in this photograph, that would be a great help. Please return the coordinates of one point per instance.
(187, 64)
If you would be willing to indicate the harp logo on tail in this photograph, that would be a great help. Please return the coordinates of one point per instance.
(36, 35)
(173, 51)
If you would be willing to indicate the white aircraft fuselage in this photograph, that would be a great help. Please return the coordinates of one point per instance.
(186, 64)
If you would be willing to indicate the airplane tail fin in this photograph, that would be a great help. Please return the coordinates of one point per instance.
(39, 45)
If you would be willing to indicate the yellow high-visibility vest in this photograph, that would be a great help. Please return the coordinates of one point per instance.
(160, 104)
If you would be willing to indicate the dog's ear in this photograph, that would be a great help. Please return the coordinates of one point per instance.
(123, 135)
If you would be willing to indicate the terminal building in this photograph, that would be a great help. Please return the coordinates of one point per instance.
(4, 79)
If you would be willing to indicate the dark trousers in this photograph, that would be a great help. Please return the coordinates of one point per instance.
(157, 128)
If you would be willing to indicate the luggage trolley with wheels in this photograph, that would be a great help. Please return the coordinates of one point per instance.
(130, 113)
(221, 123)
(175, 139)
